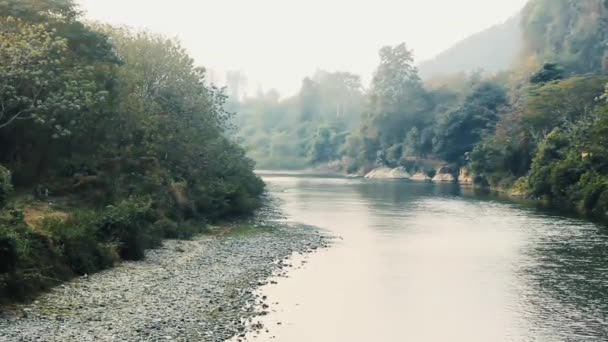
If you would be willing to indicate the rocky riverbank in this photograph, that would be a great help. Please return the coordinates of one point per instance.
(199, 290)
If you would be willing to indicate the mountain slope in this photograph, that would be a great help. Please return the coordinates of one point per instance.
(493, 50)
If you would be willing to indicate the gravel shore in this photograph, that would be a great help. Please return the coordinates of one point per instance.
(199, 290)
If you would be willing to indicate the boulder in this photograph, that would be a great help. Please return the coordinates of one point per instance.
(422, 177)
(444, 175)
(388, 173)
(465, 177)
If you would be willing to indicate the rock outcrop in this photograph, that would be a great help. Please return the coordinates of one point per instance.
(422, 177)
(444, 175)
(388, 173)
(465, 177)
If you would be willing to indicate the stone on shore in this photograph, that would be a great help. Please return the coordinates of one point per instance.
(198, 290)
(421, 177)
(388, 173)
(444, 175)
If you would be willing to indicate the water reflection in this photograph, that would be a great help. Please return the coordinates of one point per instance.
(425, 262)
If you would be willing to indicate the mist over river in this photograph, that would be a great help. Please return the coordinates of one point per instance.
(428, 262)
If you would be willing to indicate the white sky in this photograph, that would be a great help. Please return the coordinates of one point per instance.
(279, 42)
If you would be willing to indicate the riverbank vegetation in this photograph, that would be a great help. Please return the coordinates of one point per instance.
(536, 129)
(111, 140)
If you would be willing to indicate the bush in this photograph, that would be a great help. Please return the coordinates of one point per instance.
(587, 192)
(520, 187)
(129, 225)
(8, 253)
(6, 186)
(29, 262)
(168, 228)
(76, 241)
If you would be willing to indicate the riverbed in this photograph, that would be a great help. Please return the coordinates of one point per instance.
(430, 262)
(199, 290)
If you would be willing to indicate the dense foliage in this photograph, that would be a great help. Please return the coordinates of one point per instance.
(124, 126)
(306, 129)
(535, 130)
(119, 124)
(572, 33)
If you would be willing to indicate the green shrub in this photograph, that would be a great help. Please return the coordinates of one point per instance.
(8, 253)
(601, 207)
(191, 228)
(168, 228)
(32, 264)
(129, 224)
(6, 186)
(586, 193)
(77, 242)
(183, 231)
(520, 187)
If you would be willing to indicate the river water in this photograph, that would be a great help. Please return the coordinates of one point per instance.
(428, 262)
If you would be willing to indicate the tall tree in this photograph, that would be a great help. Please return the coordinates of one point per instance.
(398, 100)
(462, 128)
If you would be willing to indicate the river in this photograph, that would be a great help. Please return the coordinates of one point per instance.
(427, 262)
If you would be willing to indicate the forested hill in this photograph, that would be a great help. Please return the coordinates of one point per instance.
(493, 50)
(538, 128)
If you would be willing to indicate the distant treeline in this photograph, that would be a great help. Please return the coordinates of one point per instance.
(538, 130)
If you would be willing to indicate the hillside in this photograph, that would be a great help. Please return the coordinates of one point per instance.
(494, 49)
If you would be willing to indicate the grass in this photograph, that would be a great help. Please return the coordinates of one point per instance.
(239, 229)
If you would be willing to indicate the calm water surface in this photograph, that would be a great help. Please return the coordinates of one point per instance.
(425, 262)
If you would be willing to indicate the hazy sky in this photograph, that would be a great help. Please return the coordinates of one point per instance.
(278, 42)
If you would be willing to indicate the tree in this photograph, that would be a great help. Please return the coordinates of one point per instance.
(39, 11)
(322, 149)
(462, 128)
(40, 80)
(413, 145)
(553, 104)
(310, 99)
(549, 72)
(326, 100)
(398, 101)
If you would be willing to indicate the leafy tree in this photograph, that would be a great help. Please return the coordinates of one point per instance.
(309, 100)
(462, 128)
(398, 103)
(413, 143)
(288, 133)
(553, 104)
(398, 100)
(39, 11)
(322, 149)
(40, 80)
